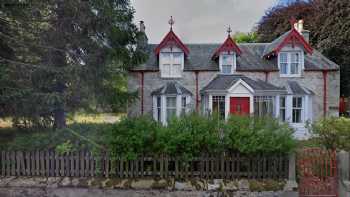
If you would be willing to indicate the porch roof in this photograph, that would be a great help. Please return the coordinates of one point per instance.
(172, 87)
(295, 88)
(225, 82)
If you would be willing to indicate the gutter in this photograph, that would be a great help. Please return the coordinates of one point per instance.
(142, 82)
(197, 92)
(325, 73)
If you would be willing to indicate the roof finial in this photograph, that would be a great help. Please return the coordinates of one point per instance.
(229, 31)
(292, 22)
(171, 22)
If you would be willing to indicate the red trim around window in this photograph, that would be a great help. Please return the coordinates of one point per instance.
(227, 46)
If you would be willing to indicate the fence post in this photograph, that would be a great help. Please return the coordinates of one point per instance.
(343, 174)
(291, 185)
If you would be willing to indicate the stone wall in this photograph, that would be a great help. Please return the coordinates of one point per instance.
(93, 187)
(313, 80)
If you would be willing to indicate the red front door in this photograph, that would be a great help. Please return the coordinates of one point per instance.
(239, 105)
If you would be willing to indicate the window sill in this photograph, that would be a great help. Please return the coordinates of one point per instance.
(290, 76)
(171, 77)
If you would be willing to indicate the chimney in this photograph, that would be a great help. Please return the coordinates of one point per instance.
(142, 26)
(142, 37)
(299, 26)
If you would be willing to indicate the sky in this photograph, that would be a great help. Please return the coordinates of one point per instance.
(199, 21)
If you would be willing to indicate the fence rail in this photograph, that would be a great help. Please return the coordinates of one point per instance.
(85, 164)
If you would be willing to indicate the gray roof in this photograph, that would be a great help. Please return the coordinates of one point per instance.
(271, 46)
(251, 59)
(224, 82)
(171, 88)
(295, 88)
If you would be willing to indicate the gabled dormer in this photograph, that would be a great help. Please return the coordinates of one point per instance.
(227, 54)
(171, 54)
(289, 50)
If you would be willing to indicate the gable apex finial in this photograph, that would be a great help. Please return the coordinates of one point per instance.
(171, 22)
(229, 31)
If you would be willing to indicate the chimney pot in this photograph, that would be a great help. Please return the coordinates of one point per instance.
(142, 26)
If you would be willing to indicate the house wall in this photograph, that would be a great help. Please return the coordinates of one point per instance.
(153, 81)
(311, 79)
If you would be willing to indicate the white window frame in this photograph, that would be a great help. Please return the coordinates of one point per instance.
(179, 107)
(302, 110)
(233, 65)
(171, 64)
(289, 63)
(284, 108)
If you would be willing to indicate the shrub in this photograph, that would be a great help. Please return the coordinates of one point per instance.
(332, 133)
(258, 135)
(191, 135)
(132, 137)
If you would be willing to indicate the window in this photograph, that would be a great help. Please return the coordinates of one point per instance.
(218, 106)
(227, 63)
(290, 63)
(159, 108)
(263, 106)
(283, 108)
(297, 109)
(171, 64)
(170, 107)
(183, 105)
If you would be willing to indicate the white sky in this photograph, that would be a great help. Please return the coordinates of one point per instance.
(199, 21)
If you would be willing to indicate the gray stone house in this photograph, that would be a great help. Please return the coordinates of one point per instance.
(286, 79)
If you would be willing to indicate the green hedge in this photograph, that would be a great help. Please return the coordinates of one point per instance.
(192, 135)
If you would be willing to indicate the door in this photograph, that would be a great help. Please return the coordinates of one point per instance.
(239, 105)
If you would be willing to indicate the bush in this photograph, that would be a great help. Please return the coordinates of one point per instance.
(258, 135)
(133, 136)
(191, 135)
(332, 133)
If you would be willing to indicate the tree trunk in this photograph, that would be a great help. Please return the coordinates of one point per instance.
(59, 119)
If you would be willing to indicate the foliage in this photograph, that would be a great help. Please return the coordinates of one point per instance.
(329, 24)
(332, 133)
(191, 135)
(64, 148)
(60, 56)
(258, 135)
(241, 37)
(132, 137)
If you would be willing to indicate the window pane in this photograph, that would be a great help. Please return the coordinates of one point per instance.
(171, 107)
(227, 59)
(284, 68)
(294, 68)
(177, 58)
(159, 111)
(166, 69)
(283, 57)
(297, 102)
(219, 106)
(263, 106)
(282, 101)
(296, 115)
(166, 58)
(295, 57)
(176, 70)
(226, 69)
(183, 105)
(171, 102)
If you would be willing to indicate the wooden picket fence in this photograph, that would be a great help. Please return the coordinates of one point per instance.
(85, 164)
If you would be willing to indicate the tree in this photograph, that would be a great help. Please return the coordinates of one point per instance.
(66, 54)
(329, 23)
(241, 37)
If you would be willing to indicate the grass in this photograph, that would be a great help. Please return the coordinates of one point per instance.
(82, 128)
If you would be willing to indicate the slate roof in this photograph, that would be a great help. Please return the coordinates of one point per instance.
(224, 82)
(295, 88)
(251, 59)
(171, 88)
(270, 47)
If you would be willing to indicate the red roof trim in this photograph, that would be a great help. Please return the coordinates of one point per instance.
(172, 40)
(293, 38)
(228, 45)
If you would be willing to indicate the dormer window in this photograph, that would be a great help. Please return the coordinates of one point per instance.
(171, 64)
(290, 63)
(227, 63)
